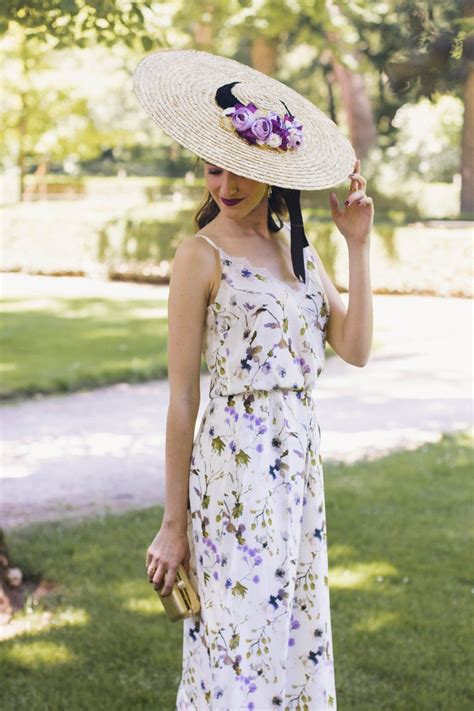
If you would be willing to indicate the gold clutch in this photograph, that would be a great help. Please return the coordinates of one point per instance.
(182, 601)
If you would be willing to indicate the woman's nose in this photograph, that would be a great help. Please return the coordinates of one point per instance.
(229, 186)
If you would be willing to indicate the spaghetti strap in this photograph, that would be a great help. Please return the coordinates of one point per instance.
(209, 240)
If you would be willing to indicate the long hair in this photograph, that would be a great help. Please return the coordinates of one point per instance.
(208, 209)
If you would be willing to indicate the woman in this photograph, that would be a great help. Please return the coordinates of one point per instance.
(245, 509)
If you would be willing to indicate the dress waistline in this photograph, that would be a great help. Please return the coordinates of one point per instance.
(304, 392)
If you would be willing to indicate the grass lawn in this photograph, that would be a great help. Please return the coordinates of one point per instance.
(398, 531)
(51, 343)
(59, 344)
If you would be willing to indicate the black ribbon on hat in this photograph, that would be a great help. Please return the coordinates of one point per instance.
(225, 99)
(298, 237)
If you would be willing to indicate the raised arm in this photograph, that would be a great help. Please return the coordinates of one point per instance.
(350, 330)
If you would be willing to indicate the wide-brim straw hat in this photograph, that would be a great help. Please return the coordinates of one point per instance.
(187, 93)
(177, 89)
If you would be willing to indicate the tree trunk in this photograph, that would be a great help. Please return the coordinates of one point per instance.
(354, 96)
(264, 55)
(467, 154)
(202, 35)
(467, 149)
(357, 107)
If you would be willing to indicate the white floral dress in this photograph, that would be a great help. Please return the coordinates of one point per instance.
(256, 512)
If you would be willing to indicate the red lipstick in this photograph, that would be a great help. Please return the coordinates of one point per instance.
(229, 203)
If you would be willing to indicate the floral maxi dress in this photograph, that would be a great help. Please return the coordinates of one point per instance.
(256, 511)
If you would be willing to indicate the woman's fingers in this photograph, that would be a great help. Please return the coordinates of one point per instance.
(364, 201)
(162, 576)
(358, 178)
(334, 203)
(353, 197)
(169, 579)
(157, 574)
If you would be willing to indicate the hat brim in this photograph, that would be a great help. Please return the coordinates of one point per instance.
(177, 89)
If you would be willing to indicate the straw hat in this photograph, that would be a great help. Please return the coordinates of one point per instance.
(244, 121)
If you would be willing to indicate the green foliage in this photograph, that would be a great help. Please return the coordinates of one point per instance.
(78, 23)
(41, 117)
(144, 235)
(428, 141)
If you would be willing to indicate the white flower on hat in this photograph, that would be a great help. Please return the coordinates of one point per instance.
(274, 141)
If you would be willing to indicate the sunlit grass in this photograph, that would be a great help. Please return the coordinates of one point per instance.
(61, 344)
(399, 529)
(37, 655)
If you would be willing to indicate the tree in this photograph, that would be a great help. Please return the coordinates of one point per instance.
(79, 23)
(42, 119)
(420, 48)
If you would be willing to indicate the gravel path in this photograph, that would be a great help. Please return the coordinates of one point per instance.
(103, 450)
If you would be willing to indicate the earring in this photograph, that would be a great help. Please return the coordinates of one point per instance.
(269, 193)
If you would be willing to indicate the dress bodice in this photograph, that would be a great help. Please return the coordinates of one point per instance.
(261, 333)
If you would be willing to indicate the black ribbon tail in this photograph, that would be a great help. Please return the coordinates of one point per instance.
(298, 236)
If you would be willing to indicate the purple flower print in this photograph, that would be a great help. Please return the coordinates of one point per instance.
(256, 579)
(259, 447)
(228, 583)
(294, 623)
(291, 642)
(233, 412)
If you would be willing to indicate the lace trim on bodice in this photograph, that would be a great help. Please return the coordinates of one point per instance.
(258, 270)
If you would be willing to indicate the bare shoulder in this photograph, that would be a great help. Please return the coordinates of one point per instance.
(195, 254)
(194, 265)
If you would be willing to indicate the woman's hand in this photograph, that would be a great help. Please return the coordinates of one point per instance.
(355, 221)
(169, 548)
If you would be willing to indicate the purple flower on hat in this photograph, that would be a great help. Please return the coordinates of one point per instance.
(295, 138)
(243, 118)
(261, 129)
(275, 118)
(271, 130)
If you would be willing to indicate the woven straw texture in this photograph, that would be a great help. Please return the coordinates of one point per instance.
(177, 88)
